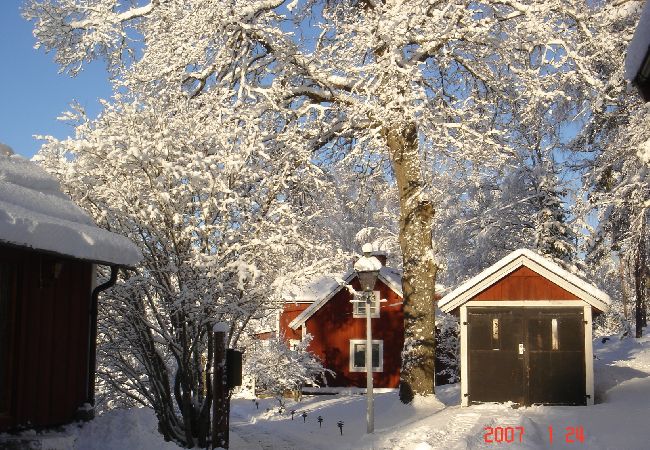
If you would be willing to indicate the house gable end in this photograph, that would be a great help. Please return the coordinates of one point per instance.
(318, 304)
(333, 327)
(387, 276)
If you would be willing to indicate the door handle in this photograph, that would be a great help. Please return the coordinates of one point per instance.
(521, 349)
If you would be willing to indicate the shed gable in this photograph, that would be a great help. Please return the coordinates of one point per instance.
(524, 284)
(540, 279)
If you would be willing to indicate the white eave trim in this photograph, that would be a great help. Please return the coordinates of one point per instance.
(544, 267)
(318, 304)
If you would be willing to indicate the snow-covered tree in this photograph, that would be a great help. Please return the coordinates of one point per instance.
(211, 209)
(616, 187)
(278, 368)
(448, 348)
(520, 204)
(619, 194)
(404, 80)
(359, 208)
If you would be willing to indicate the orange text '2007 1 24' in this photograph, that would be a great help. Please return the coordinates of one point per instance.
(510, 434)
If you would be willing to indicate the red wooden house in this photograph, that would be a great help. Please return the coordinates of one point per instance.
(49, 249)
(338, 328)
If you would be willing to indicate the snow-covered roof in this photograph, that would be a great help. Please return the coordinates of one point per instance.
(638, 47)
(35, 213)
(524, 257)
(315, 290)
(328, 287)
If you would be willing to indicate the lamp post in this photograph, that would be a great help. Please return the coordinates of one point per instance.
(367, 269)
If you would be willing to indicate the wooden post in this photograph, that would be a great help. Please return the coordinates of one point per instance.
(370, 396)
(220, 401)
(639, 283)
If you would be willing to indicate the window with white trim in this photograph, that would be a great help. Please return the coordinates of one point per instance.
(555, 343)
(293, 343)
(359, 306)
(358, 355)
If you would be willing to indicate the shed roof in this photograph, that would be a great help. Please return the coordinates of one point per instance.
(34, 213)
(543, 266)
(330, 286)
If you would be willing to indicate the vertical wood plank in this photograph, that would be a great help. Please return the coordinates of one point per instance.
(220, 401)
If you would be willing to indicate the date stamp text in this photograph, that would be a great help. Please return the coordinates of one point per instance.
(516, 434)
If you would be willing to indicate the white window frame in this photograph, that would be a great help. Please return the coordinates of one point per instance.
(376, 307)
(293, 343)
(354, 342)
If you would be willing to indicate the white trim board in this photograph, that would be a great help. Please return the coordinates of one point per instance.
(589, 356)
(527, 303)
(362, 315)
(464, 366)
(540, 265)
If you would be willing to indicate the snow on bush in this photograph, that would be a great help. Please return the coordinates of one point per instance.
(278, 368)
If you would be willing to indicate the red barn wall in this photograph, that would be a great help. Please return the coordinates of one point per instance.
(525, 284)
(49, 352)
(333, 325)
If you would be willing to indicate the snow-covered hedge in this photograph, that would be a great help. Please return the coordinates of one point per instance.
(278, 368)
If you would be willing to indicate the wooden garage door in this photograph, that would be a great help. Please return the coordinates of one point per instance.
(526, 355)
(556, 356)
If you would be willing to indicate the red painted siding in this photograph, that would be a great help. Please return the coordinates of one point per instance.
(333, 325)
(290, 312)
(265, 336)
(49, 355)
(524, 284)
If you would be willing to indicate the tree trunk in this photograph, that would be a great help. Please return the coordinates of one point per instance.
(220, 394)
(640, 268)
(418, 281)
(204, 413)
(624, 296)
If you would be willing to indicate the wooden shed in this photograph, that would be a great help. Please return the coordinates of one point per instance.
(526, 333)
(49, 249)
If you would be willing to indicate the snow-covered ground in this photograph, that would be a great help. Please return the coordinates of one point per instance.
(619, 420)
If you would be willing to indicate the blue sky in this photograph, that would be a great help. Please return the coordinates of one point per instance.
(32, 92)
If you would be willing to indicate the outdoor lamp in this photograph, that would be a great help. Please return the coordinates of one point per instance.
(367, 269)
